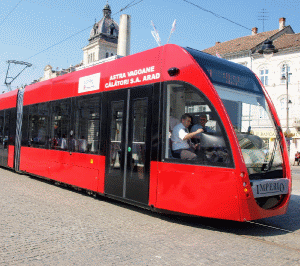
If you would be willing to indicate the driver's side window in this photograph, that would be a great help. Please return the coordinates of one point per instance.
(186, 112)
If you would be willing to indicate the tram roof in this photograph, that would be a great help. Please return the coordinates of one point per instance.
(218, 70)
(226, 73)
(8, 99)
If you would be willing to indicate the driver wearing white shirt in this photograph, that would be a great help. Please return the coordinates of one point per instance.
(181, 145)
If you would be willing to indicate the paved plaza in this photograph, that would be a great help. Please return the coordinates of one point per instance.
(45, 224)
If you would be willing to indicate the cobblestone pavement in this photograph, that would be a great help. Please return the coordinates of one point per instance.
(42, 224)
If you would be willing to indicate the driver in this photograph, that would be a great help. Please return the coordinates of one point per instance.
(182, 147)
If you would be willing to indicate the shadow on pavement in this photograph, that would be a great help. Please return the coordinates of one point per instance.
(290, 222)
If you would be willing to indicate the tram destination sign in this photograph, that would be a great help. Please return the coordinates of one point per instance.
(270, 187)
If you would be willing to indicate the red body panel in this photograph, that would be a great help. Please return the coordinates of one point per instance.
(78, 169)
(198, 190)
(11, 154)
(8, 100)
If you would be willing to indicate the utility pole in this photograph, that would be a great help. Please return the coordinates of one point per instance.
(8, 82)
(286, 78)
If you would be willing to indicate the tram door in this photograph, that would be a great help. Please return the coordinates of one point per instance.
(129, 139)
(4, 118)
(2, 137)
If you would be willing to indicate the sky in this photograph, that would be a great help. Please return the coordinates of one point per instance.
(43, 32)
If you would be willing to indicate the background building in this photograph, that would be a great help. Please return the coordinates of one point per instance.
(270, 70)
(103, 44)
(103, 41)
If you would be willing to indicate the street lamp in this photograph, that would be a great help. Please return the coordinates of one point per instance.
(286, 78)
(267, 49)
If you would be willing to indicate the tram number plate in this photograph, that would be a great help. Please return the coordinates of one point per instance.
(269, 187)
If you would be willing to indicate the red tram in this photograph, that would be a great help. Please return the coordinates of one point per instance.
(107, 129)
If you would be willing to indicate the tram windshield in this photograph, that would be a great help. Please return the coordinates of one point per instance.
(248, 110)
(255, 130)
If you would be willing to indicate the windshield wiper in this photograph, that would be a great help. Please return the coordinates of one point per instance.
(267, 166)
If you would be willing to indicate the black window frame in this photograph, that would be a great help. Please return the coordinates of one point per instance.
(59, 136)
(97, 126)
(216, 118)
(50, 136)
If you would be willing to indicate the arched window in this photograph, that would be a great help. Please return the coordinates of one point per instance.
(107, 55)
(111, 54)
(112, 29)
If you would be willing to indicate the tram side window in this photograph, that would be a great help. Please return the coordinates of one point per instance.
(86, 135)
(2, 137)
(38, 125)
(209, 147)
(25, 134)
(4, 128)
(60, 131)
(7, 127)
(12, 126)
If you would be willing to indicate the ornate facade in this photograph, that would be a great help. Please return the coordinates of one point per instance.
(103, 43)
(103, 39)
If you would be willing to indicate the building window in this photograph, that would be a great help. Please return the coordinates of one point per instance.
(91, 58)
(264, 76)
(285, 68)
(107, 55)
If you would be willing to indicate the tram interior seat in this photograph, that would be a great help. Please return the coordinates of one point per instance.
(172, 155)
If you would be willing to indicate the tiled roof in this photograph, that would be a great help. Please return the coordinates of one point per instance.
(105, 26)
(240, 44)
(287, 41)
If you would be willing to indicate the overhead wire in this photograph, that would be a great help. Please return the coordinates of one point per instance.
(128, 6)
(69, 37)
(217, 15)
(10, 13)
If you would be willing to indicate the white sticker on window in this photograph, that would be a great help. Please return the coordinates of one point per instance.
(89, 83)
